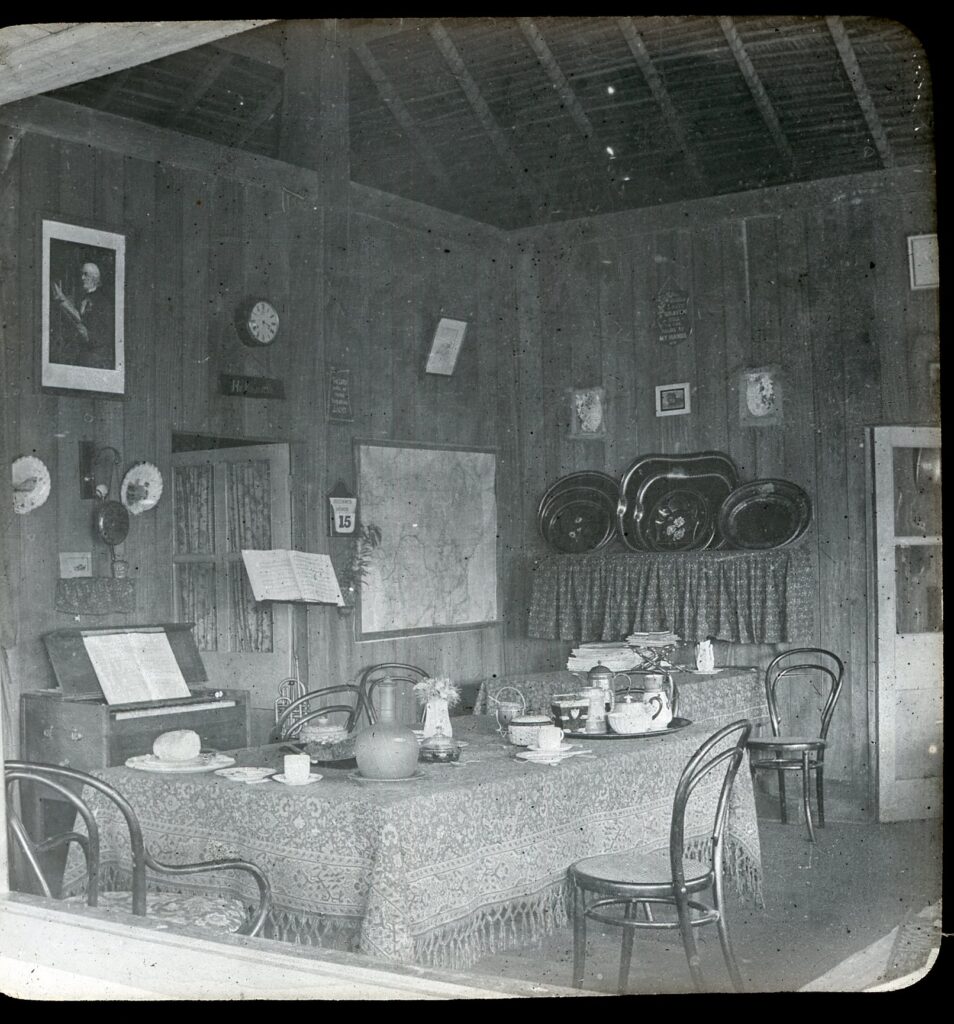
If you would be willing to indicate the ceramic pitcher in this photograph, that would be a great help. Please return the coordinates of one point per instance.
(597, 699)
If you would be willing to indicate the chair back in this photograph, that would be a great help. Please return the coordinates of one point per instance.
(805, 661)
(719, 751)
(68, 784)
(314, 704)
(405, 676)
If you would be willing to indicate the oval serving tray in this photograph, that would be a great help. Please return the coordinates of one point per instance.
(580, 525)
(765, 514)
(642, 520)
(674, 726)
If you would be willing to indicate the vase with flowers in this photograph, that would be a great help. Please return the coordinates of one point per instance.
(438, 696)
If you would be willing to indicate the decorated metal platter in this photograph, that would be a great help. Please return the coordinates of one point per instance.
(577, 513)
(674, 726)
(209, 762)
(765, 514)
(141, 488)
(580, 524)
(671, 502)
(31, 484)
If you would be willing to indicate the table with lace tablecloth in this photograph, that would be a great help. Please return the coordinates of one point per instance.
(439, 870)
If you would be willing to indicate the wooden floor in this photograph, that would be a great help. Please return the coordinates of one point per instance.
(824, 902)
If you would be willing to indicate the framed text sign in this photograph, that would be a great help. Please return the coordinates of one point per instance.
(435, 568)
(673, 314)
(338, 406)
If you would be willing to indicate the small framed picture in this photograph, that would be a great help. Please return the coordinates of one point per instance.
(760, 396)
(587, 413)
(923, 261)
(445, 346)
(82, 304)
(673, 399)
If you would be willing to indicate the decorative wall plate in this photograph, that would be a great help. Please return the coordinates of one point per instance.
(31, 484)
(765, 514)
(671, 502)
(141, 488)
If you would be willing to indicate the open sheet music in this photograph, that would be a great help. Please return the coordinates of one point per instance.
(133, 667)
(292, 576)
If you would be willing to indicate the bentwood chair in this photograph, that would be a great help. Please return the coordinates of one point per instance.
(405, 676)
(314, 704)
(627, 882)
(785, 753)
(70, 786)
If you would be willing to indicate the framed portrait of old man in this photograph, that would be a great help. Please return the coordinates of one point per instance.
(82, 306)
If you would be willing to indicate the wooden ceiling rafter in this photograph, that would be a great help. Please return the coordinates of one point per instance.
(661, 94)
(758, 91)
(852, 68)
(400, 112)
(203, 82)
(484, 114)
(267, 108)
(558, 79)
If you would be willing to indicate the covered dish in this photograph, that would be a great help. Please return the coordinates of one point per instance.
(523, 729)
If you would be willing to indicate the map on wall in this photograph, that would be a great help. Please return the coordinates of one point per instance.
(435, 568)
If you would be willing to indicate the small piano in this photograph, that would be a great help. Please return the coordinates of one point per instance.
(75, 725)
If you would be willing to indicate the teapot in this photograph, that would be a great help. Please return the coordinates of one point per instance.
(632, 715)
(508, 710)
(659, 691)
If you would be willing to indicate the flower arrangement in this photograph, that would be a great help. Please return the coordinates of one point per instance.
(437, 689)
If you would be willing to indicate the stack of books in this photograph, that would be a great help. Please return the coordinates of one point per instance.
(616, 656)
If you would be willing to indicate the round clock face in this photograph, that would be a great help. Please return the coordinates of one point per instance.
(259, 323)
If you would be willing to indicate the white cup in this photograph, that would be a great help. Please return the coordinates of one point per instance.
(297, 768)
(549, 737)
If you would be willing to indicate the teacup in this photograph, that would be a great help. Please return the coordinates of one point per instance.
(297, 768)
(549, 737)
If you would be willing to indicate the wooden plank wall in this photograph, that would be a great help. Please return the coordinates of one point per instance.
(813, 278)
(360, 284)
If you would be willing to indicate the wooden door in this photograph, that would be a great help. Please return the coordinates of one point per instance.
(908, 620)
(225, 500)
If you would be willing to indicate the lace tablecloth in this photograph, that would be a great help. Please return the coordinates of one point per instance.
(750, 597)
(439, 870)
(713, 700)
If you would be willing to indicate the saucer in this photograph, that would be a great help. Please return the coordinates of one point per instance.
(546, 755)
(280, 777)
(247, 775)
(705, 671)
(561, 749)
(208, 762)
(358, 777)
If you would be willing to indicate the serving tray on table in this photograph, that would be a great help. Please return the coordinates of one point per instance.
(674, 726)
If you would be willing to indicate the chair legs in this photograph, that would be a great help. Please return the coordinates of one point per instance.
(579, 935)
(820, 791)
(689, 944)
(807, 794)
(782, 806)
(626, 954)
(721, 923)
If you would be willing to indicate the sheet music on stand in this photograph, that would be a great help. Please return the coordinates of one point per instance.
(136, 667)
(279, 575)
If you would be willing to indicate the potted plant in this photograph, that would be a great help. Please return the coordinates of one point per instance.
(355, 572)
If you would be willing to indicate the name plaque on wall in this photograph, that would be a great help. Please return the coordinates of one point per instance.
(239, 386)
(673, 315)
(339, 408)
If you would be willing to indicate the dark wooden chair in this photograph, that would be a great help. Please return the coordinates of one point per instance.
(218, 913)
(405, 676)
(315, 704)
(805, 754)
(626, 882)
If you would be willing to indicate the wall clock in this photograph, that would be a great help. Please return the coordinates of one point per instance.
(257, 322)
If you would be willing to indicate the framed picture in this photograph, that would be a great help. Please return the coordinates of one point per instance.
(587, 413)
(82, 304)
(445, 346)
(923, 261)
(673, 399)
(760, 396)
